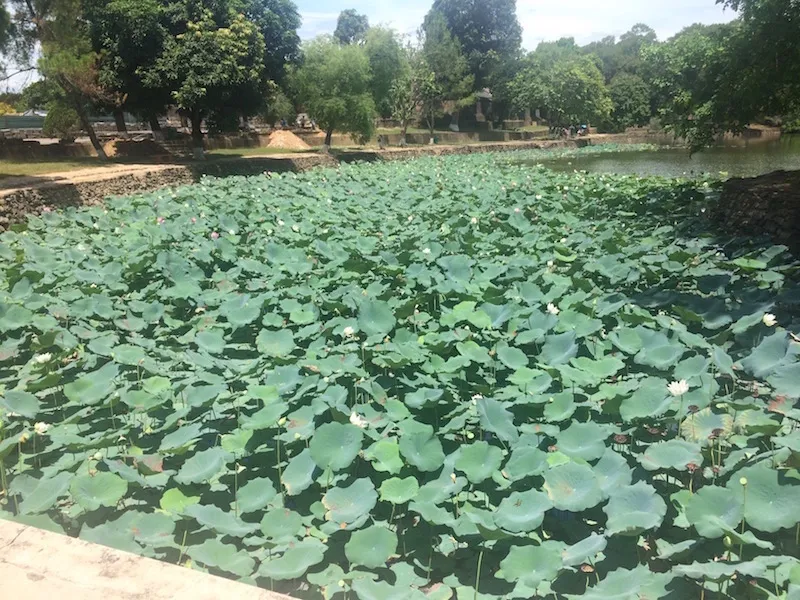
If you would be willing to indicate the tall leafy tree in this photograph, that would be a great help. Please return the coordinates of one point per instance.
(278, 22)
(442, 56)
(129, 36)
(489, 32)
(630, 95)
(351, 27)
(59, 30)
(217, 61)
(333, 82)
(387, 62)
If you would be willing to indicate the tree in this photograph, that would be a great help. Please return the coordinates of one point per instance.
(571, 91)
(489, 32)
(695, 87)
(334, 85)
(66, 55)
(351, 27)
(218, 61)
(630, 95)
(387, 62)
(278, 22)
(129, 36)
(442, 56)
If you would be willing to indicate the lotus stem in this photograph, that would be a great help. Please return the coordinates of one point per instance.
(478, 574)
(183, 546)
(236, 489)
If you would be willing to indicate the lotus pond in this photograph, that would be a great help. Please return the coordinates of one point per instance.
(445, 378)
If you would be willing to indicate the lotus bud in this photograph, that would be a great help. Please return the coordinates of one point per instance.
(743, 481)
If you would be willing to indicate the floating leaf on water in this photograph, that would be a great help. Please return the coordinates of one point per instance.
(371, 547)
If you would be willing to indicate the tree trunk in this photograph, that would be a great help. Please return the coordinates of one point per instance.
(431, 123)
(528, 119)
(155, 127)
(88, 127)
(328, 140)
(197, 134)
(403, 133)
(119, 120)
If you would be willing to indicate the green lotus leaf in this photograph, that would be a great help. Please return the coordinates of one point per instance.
(701, 426)
(771, 500)
(786, 381)
(152, 529)
(213, 553)
(494, 417)
(478, 461)
(522, 511)
(20, 402)
(600, 369)
(525, 462)
(336, 445)
(624, 583)
(558, 349)
(127, 354)
(385, 456)
(584, 551)
(513, 358)
(298, 475)
(350, 504)
(94, 387)
(634, 509)
(255, 495)
(93, 491)
(714, 510)
(651, 399)
(180, 438)
(375, 318)
(531, 565)
(674, 454)
(627, 340)
(572, 487)
(210, 340)
(220, 521)
(560, 407)
(175, 502)
(371, 547)
(141, 401)
(295, 561)
(241, 310)
(43, 493)
(280, 525)
(111, 535)
(768, 356)
(422, 450)
(276, 344)
(399, 491)
(583, 440)
(422, 396)
(612, 472)
(236, 441)
(203, 466)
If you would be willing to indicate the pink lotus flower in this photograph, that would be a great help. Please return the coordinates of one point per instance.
(47, 209)
(194, 219)
(214, 235)
(160, 220)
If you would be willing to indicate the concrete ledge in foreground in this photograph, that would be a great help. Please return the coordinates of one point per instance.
(37, 564)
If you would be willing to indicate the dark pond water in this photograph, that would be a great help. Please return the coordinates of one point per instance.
(743, 160)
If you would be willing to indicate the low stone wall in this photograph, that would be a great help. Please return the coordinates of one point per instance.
(766, 205)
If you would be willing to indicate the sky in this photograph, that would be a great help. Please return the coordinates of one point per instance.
(585, 20)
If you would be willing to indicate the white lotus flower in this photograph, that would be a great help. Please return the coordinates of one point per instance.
(348, 331)
(770, 320)
(426, 251)
(678, 388)
(281, 223)
(550, 264)
(516, 210)
(358, 420)
(474, 220)
(41, 428)
(40, 359)
(296, 228)
(553, 309)
(410, 218)
(538, 196)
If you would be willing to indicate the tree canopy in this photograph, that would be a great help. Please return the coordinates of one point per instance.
(489, 32)
(334, 84)
(351, 27)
